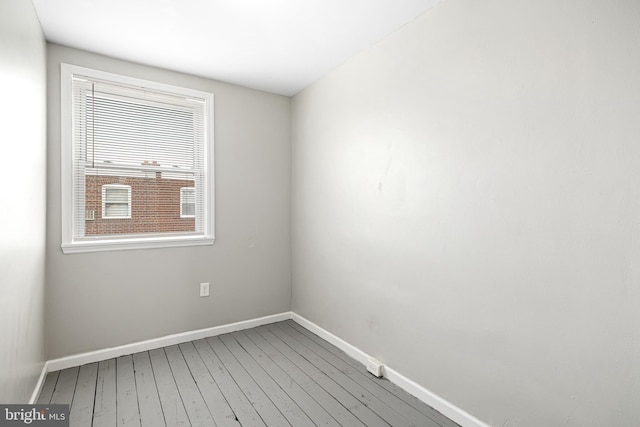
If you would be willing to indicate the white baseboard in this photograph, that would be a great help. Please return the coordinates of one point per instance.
(39, 384)
(441, 405)
(152, 344)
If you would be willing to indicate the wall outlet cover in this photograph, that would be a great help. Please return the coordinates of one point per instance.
(204, 289)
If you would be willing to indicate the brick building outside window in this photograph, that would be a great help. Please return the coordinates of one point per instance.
(157, 205)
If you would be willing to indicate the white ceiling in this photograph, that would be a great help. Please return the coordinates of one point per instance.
(278, 46)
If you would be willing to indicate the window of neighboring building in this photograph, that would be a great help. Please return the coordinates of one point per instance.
(116, 201)
(137, 151)
(187, 202)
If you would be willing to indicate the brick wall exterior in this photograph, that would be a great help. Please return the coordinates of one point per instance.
(155, 206)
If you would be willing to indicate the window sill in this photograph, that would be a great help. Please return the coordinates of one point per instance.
(131, 244)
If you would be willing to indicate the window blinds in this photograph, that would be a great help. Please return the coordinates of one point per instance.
(148, 140)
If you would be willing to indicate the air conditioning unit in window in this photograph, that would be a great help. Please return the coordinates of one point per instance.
(90, 215)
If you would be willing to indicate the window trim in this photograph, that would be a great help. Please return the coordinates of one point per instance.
(70, 245)
(106, 187)
(182, 190)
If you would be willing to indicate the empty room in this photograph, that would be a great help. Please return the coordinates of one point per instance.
(320, 212)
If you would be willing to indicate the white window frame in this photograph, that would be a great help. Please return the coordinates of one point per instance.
(106, 187)
(182, 196)
(71, 214)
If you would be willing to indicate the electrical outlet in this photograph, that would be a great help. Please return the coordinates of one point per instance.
(204, 289)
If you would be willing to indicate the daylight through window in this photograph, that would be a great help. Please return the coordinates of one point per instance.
(138, 162)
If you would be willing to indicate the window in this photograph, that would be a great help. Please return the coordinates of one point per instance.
(137, 163)
(116, 201)
(187, 202)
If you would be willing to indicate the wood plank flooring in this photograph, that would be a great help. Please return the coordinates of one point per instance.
(274, 375)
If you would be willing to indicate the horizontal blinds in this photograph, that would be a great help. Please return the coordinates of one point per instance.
(148, 141)
(188, 202)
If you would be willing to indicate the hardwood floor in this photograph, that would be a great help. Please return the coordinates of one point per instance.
(274, 375)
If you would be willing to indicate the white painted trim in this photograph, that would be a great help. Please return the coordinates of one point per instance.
(351, 350)
(441, 405)
(109, 353)
(130, 244)
(39, 384)
(68, 201)
(445, 407)
(72, 210)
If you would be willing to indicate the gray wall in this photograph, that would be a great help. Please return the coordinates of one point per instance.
(466, 207)
(99, 300)
(23, 199)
